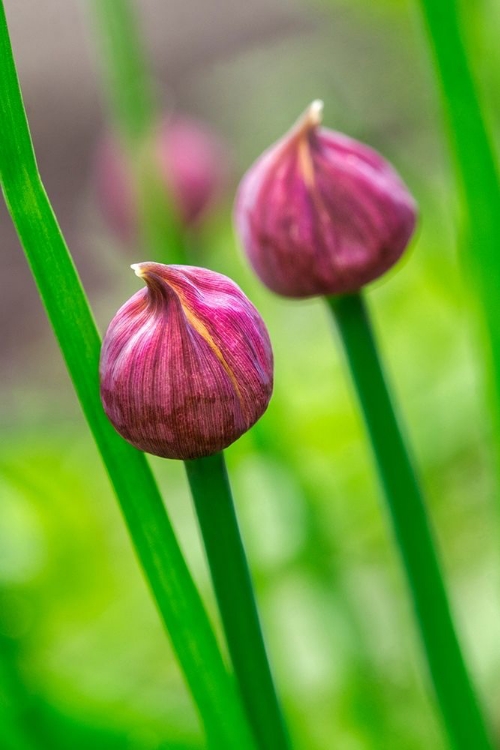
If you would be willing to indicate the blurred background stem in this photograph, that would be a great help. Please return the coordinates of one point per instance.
(226, 556)
(476, 172)
(454, 691)
(127, 82)
(135, 114)
(142, 506)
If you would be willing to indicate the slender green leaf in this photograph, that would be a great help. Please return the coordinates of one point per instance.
(476, 171)
(71, 318)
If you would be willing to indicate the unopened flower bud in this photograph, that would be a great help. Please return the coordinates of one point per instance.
(320, 213)
(186, 364)
(192, 165)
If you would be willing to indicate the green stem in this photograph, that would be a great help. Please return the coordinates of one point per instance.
(69, 313)
(233, 587)
(458, 703)
(128, 85)
(135, 116)
(475, 162)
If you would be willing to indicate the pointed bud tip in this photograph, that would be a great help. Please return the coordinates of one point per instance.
(137, 269)
(155, 275)
(311, 118)
(142, 269)
(315, 112)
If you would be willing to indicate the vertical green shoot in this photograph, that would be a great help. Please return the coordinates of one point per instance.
(455, 694)
(233, 586)
(476, 171)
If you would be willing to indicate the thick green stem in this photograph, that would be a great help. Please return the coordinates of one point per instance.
(455, 694)
(233, 587)
(69, 313)
(475, 163)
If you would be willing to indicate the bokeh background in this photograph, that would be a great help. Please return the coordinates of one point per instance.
(83, 658)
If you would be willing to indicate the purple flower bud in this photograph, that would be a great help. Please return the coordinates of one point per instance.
(320, 213)
(193, 165)
(186, 364)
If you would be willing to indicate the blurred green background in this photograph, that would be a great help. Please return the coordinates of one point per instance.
(83, 658)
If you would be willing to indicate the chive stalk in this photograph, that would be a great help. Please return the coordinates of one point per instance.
(218, 523)
(454, 691)
(475, 163)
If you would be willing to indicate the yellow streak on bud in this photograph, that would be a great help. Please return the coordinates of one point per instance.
(308, 121)
(201, 328)
(198, 325)
(306, 162)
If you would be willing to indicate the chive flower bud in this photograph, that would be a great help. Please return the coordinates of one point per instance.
(192, 164)
(186, 364)
(320, 213)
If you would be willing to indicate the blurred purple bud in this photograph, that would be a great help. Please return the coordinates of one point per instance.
(193, 166)
(186, 364)
(320, 213)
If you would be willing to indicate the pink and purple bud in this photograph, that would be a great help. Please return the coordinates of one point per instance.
(186, 364)
(320, 213)
(193, 166)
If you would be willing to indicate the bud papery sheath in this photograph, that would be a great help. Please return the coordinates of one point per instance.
(186, 364)
(320, 213)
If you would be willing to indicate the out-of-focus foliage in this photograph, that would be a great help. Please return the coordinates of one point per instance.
(83, 659)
